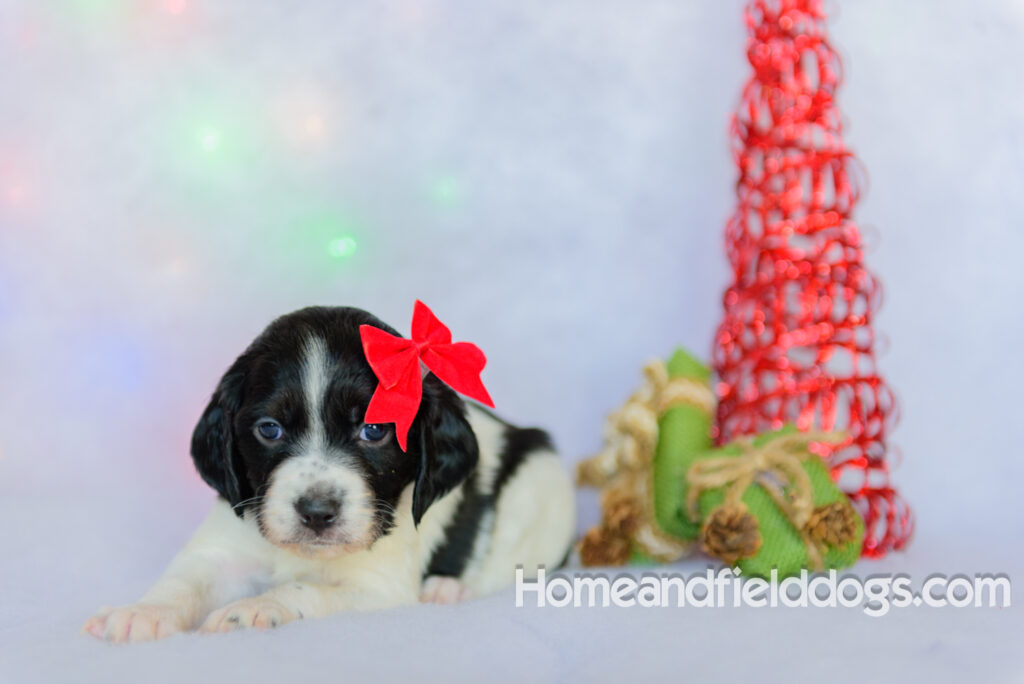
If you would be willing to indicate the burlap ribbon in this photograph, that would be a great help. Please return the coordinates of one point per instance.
(631, 432)
(775, 465)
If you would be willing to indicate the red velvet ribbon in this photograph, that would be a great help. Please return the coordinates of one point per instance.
(396, 363)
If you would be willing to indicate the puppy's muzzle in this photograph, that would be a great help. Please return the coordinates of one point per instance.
(317, 512)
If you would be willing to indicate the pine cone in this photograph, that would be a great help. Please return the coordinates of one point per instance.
(833, 524)
(731, 533)
(621, 511)
(601, 546)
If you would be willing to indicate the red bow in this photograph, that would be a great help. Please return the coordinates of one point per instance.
(396, 363)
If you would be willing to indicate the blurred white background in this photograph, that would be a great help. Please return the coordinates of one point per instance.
(551, 178)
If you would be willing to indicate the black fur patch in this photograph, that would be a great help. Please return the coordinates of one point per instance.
(519, 443)
(461, 534)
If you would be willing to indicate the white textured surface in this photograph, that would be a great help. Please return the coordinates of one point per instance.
(553, 179)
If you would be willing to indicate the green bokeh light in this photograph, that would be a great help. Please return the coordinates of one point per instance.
(333, 233)
(90, 12)
(213, 144)
(210, 138)
(447, 191)
(342, 247)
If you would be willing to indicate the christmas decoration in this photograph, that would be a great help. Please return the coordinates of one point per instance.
(769, 503)
(640, 470)
(761, 503)
(796, 343)
(397, 363)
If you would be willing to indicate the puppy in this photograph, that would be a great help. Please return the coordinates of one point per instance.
(320, 512)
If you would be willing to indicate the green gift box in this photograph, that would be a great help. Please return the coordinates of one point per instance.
(760, 502)
(756, 532)
(684, 432)
(639, 476)
(783, 511)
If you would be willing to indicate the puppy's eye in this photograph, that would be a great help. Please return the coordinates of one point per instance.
(269, 430)
(372, 432)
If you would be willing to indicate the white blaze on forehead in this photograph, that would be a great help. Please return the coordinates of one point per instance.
(316, 376)
(316, 467)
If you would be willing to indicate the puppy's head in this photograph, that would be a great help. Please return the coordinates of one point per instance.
(283, 438)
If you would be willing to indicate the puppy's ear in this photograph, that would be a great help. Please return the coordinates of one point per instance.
(213, 450)
(448, 450)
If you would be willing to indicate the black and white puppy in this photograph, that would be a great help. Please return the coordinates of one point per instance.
(320, 512)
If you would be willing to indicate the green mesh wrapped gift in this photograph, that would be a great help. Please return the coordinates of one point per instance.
(760, 503)
(768, 502)
(639, 470)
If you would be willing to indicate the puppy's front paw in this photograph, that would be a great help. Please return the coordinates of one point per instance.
(440, 589)
(134, 623)
(260, 612)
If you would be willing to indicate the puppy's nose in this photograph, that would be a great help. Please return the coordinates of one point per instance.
(317, 513)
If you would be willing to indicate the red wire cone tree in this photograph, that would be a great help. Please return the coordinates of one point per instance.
(797, 343)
